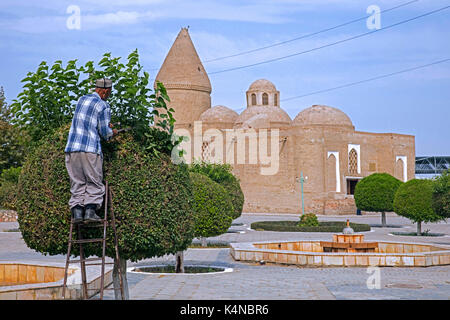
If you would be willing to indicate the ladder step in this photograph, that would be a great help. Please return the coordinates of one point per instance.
(103, 289)
(96, 225)
(84, 260)
(98, 264)
(88, 240)
(92, 224)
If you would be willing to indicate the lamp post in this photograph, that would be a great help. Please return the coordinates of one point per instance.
(302, 180)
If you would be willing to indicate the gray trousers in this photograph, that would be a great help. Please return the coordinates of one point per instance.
(86, 174)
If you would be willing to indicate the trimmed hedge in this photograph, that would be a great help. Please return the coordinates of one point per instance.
(292, 226)
(221, 173)
(152, 199)
(212, 206)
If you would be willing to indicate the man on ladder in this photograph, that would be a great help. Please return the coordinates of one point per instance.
(83, 154)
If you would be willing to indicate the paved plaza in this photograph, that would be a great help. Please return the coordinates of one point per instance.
(270, 281)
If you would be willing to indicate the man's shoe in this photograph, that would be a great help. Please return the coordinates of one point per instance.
(90, 214)
(77, 214)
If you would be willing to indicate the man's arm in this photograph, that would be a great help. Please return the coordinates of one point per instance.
(104, 119)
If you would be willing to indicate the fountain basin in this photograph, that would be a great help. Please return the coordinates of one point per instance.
(312, 253)
(44, 281)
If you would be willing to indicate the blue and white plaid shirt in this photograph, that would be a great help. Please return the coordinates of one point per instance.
(90, 121)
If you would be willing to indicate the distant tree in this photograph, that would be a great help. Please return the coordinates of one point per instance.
(213, 211)
(376, 193)
(441, 195)
(13, 140)
(8, 187)
(413, 200)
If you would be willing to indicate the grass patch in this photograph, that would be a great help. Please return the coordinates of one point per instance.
(414, 234)
(210, 245)
(292, 226)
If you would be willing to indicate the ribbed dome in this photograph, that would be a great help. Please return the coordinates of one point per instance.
(262, 85)
(219, 114)
(274, 115)
(322, 115)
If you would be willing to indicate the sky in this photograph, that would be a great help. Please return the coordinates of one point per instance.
(416, 102)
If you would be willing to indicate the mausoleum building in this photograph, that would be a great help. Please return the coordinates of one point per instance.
(321, 142)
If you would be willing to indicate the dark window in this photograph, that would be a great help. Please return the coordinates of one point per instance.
(275, 100)
(351, 184)
(253, 99)
(265, 97)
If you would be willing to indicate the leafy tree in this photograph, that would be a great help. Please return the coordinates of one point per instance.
(221, 173)
(413, 200)
(152, 195)
(376, 193)
(441, 195)
(50, 94)
(12, 140)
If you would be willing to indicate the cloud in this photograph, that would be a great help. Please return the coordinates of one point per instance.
(94, 15)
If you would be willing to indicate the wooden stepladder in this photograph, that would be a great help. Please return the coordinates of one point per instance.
(102, 223)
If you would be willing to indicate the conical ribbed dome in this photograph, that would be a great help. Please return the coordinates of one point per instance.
(182, 68)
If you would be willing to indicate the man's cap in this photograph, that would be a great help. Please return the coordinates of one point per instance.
(103, 83)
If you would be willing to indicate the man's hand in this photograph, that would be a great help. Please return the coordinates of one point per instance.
(115, 132)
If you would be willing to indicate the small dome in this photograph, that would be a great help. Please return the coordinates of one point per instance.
(262, 85)
(322, 115)
(219, 114)
(273, 115)
(258, 121)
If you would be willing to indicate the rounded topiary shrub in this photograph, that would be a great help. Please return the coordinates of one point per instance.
(221, 173)
(152, 200)
(212, 206)
(236, 195)
(376, 193)
(413, 200)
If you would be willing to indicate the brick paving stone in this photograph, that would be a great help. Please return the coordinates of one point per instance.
(253, 281)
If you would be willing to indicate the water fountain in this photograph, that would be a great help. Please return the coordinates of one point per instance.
(345, 249)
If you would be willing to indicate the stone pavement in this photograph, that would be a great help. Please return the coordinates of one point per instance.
(255, 282)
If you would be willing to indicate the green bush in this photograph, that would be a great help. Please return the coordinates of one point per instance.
(11, 175)
(441, 195)
(308, 220)
(8, 192)
(8, 187)
(376, 193)
(221, 173)
(152, 199)
(212, 206)
(413, 200)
